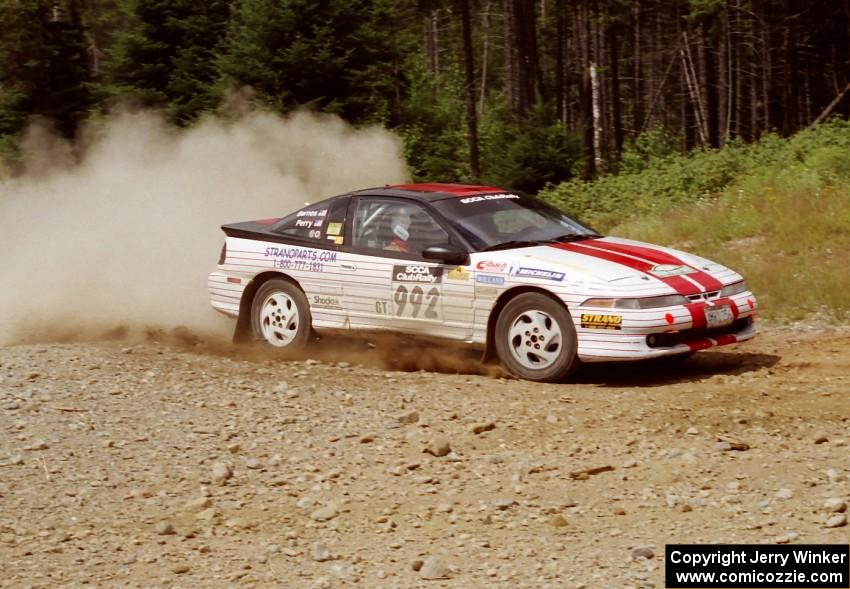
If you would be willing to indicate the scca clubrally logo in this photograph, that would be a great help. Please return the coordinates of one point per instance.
(418, 273)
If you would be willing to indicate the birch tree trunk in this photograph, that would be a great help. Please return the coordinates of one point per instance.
(598, 162)
(469, 70)
(485, 32)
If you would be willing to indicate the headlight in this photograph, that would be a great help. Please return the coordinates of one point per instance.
(642, 303)
(733, 289)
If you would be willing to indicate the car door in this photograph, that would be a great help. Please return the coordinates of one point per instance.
(396, 288)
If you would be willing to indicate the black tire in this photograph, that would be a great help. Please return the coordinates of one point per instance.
(280, 315)
(518, 353)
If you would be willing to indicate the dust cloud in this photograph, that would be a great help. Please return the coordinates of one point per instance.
(121, 229)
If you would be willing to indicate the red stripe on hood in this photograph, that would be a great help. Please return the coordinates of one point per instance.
(709, 282)
(677, 283)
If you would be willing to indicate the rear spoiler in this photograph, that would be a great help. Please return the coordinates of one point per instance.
(261, 231)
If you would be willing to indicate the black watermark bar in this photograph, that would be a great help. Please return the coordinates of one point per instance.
(757, 566)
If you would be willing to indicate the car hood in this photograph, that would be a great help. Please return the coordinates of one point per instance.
(617, 265)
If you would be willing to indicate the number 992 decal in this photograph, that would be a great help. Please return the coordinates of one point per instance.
(416, 291)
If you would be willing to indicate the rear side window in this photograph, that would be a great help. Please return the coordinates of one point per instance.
(308, 223)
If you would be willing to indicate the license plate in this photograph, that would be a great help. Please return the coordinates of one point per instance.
(718, 316)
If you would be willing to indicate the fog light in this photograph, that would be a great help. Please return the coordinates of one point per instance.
(652, 340)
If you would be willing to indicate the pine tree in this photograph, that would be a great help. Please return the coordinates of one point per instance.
(44, 67)
(21, 59)
(165, 56)
(335, 55)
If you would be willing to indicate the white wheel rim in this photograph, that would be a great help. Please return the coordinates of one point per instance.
(279, 319)
(535, 339)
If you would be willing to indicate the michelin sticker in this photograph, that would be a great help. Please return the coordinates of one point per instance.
(537, 273)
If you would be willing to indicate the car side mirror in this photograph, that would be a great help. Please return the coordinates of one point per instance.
(447, 254)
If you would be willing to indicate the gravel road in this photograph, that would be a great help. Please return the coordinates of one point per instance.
(181, 464)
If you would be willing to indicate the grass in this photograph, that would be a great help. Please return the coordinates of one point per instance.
(781, 218)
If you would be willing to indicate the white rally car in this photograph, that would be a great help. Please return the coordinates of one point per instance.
(476, 264)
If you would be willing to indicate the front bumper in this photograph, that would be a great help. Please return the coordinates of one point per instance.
(668, 331)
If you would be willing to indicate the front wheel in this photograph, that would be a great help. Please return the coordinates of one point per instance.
(280, 315)
(536, 339)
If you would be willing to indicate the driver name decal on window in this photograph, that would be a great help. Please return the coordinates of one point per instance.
(487, 197)
(305, 224)
(312, 213)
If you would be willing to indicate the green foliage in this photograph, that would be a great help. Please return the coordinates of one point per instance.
(21, 60)
(701, 8)
(522, 155)
(335, 55)
(529, 154)
(65, 97)
(433, 125)
(164, 56)
(781, 220)
(649, 149)
(9, 155)
(696, 177)
(43, 66)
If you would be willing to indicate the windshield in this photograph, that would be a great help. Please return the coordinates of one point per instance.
(509, 219)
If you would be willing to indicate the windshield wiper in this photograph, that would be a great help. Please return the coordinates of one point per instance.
(515, 243)
(532, 242)
(575, 237)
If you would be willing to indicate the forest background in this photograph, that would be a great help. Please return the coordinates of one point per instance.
(522, 93)
(718, 126)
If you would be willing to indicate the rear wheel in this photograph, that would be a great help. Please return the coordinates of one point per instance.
(280, 315)
(536, 339)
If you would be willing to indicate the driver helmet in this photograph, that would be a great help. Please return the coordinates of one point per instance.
(401, 224)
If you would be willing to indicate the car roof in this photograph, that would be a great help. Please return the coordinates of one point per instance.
(429, 192)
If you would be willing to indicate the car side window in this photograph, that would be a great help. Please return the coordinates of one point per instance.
(395, 226)
(308, 223)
